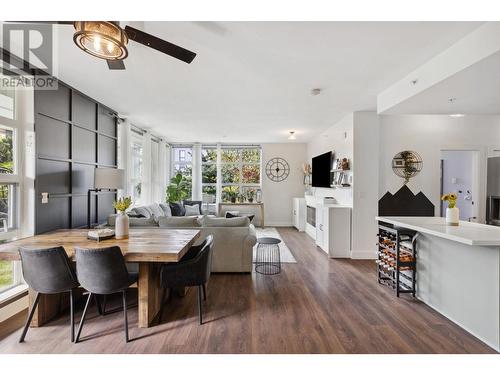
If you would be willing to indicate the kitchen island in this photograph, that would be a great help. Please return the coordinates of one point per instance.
(458, 272)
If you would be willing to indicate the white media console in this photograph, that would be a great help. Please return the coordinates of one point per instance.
(329, 224)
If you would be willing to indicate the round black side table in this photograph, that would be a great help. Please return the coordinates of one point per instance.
(267, 259)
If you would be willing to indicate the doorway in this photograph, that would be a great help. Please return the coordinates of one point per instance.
(460, 175)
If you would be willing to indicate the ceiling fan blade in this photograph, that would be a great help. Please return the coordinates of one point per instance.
(45, 22)
(116, 64)
(159, 44)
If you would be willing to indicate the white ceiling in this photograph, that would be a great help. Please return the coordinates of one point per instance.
(251, 81)
(474, 90)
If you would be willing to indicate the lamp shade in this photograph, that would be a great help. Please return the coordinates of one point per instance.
(108, 178)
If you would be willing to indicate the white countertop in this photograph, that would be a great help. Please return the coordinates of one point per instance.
(473, 234)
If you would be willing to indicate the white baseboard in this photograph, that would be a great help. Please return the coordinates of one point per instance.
(363, 254)
(279, 224)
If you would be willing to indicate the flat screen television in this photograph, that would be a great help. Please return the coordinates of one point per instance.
(321, 167)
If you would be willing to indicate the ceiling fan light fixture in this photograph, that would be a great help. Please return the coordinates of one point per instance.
(103, 39)
(292, 136)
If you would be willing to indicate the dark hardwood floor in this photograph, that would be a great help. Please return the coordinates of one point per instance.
(314, 306)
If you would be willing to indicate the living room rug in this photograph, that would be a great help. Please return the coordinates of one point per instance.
(285, 253)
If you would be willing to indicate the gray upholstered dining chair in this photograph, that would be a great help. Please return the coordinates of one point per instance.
(48, 271)
(103, 271)
(192, 270)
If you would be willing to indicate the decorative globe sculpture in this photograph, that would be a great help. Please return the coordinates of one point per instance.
(407, 164)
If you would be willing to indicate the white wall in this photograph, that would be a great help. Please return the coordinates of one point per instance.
(277, 196)
(428, 135)
(365, 184)
(337, 138)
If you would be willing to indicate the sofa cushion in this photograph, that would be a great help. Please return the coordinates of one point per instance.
(155, 210)
(224, 222)
(143, 211)
(166, 209)
(177, 222)
(134, 221)
(177, 209)
(191, 203)
(229, 215)
(192, 210)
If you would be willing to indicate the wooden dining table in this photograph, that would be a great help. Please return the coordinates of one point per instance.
(149, 247)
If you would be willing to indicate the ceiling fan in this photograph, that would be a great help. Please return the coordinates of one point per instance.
(108, 41)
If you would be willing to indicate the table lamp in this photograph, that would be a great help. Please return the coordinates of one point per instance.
(105, 178)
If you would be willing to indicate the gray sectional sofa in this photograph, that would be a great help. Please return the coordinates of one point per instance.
(234, 238)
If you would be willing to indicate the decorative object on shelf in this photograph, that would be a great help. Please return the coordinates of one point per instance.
(231, 193)
(100, 234)
(345, 164)
(122, 221)
(258, 196)
(178, 189)
(452, 211)
(307, 171)
(250, 195)
(277, 169)
(407, 164)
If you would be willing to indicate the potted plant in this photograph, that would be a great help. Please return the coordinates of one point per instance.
(231, 193)
(122, 222)
(178, 189)
(452, 211)
(250, 195)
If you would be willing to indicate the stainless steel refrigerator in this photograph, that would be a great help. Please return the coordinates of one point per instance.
(493, 192)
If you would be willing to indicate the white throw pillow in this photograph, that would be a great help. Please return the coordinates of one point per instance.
(193, 210)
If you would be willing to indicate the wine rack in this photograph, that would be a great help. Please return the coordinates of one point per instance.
(396, 258)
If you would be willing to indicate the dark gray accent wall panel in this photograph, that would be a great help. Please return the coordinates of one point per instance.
(74, 135)
(107, 150)
(107, 122)
(54, 103)
(84, 147)
(84, 111)
(53, 176)
(53, 215)
(53, 137)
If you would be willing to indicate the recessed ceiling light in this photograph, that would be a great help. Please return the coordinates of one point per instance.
(292, 136)
(451, 100)
(457, 115)
(315, 92)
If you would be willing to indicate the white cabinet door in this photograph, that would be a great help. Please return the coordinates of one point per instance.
(320, 226)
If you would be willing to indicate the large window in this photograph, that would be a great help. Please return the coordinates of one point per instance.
(240, 170)
(182, 162)
(10, 272)
(209, 173)
(136, 172)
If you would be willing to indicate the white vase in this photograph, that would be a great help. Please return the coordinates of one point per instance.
(452, 216)
(121, 226)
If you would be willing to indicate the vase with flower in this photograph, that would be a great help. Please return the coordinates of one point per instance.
(452, 211)
(122, 220)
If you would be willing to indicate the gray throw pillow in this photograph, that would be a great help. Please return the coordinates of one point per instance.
(143, 211)
(193, 210)
(166, 209)
(155, 210)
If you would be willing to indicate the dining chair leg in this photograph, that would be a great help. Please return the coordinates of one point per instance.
(200, 312)
(204, 293)
(30, 317)
(72, 314)
(124, 296)
(98, 303)
(83, 318)
(104, 300)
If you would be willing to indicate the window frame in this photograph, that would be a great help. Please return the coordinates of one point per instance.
(14, 181)
(205, 163)
(242, 186)
(182, 163)
(135, 180)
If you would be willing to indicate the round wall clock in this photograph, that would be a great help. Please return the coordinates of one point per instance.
(277, 169)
